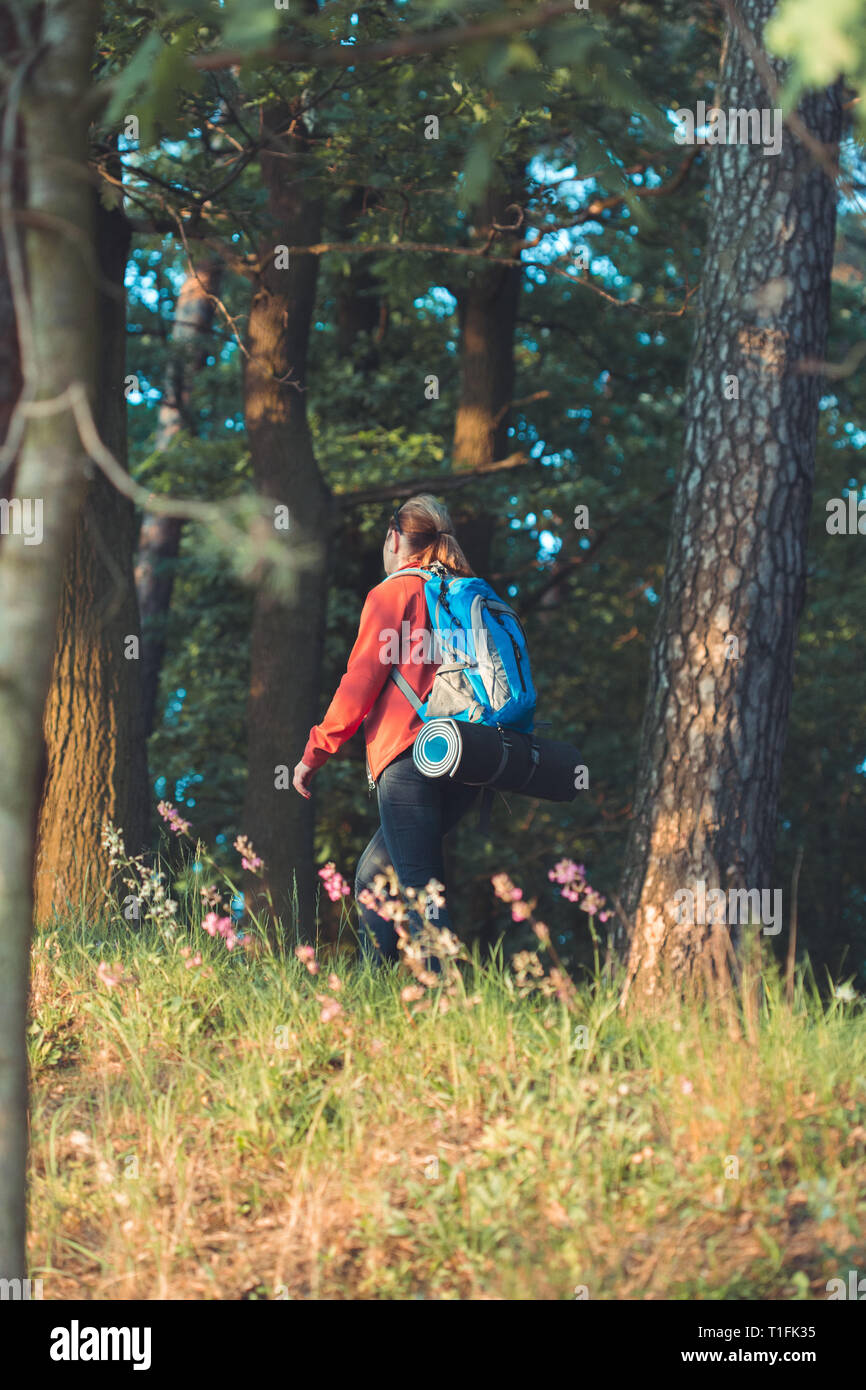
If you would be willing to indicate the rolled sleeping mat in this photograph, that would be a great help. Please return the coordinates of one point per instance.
(487, 756)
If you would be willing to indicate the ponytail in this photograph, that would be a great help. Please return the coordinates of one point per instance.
(429, 533)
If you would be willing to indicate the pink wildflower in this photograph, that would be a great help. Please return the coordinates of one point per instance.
(566, 871)
(504, 889)
(336, 886)
(221, 926)
(216, 926)
(109, 976)
(249, 859)
(574, 887)
(308, 955)
(173, 818)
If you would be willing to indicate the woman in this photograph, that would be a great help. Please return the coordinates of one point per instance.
(415, 813)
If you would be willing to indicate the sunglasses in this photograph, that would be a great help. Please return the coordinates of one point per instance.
(395, 523)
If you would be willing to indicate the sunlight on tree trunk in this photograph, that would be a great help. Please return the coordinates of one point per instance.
(487, 308)
(721, 668)
(96, 762)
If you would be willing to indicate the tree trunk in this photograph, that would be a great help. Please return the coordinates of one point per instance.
(487, 304)
(722, 661)
(96, 766)
(10, 357)
(159, 541)
(51, 469)
(287, 635)
(10, 362)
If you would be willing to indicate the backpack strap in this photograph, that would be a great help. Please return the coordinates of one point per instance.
(408, 569)
(401, 682)
(436, 571)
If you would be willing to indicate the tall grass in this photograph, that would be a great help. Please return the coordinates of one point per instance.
(225, 1130)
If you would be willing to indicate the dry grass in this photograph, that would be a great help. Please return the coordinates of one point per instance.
(206, 1135)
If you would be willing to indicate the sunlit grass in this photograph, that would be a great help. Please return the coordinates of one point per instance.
(201, 1132)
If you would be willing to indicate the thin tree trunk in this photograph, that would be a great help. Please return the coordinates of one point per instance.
(487, 308)
(51, 469)
(721, 669)
(96, 766)
(159, 541)
(287, 635)
(10, 356)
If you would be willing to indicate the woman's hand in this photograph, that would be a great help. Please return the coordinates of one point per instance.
(302, 778)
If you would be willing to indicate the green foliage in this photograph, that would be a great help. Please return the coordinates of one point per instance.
(249, 27)
(822, 42)
(147, 85)
(559, 116)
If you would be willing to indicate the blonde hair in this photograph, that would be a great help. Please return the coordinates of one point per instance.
(427, 526)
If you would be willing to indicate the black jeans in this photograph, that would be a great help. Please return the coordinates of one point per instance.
(415, 813)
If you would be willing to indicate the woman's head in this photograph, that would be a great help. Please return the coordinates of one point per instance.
(420, 531)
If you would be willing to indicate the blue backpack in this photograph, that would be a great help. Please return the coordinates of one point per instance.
(484, 677)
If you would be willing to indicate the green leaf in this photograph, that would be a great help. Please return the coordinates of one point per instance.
(149, 84)
(820, 41)
(134, 78)
(249, 27)
(476, 173)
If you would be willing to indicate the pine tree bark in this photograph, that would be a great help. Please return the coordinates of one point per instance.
(160, 536)
(287, 635)
(50, 468)
(722, 659)
(96, 766)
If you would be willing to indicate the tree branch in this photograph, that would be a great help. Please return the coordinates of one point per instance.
(408, 46)
(567, 568)
(439, 482)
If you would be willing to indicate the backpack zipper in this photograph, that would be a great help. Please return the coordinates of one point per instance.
(519, 664)
(517, 657)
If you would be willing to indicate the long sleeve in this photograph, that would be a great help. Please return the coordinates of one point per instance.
(365, 675)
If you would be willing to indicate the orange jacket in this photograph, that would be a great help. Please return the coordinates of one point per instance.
(366, 693)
